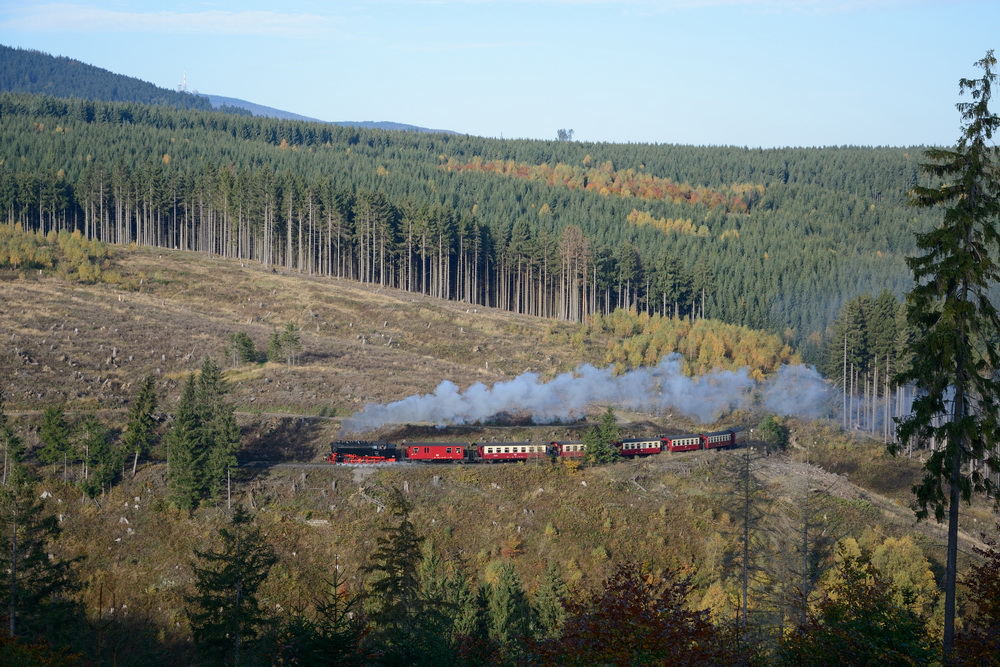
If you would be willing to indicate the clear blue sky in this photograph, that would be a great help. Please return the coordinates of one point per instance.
(740, 72)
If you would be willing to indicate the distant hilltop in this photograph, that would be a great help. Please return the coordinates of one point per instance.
(31, 71)
(218, 101)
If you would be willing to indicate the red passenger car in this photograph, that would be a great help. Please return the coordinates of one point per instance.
(511, 451)
(434, 451)
(640, 446)
(720, 439)
(570, 449)
(683, 443)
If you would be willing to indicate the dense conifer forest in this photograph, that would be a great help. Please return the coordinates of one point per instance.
(30, 71)
(772, 239)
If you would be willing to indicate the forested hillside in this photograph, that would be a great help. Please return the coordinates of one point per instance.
(30, 71)
(771, 239)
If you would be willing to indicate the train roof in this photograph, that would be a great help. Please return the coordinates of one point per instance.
(406, 443)
(503, 443)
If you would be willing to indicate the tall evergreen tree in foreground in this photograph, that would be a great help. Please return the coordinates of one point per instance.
(549, 603)
(407, 626)
(328, 635)
(226, 615)
(955, 356)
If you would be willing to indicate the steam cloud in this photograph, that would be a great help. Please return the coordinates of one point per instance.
(794, 390)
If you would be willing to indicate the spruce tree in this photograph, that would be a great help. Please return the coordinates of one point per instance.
(241, 349)
(185, 455)
(773, 432)
(102, 457)
(330, 635)
(140, 432)
(746, 504)
(203, 440)
(275, 348)
(549, 603)
(406, 627)
(600, 440)
(220, 433)
(462, 598)
(291, 343)
(508, 611)
(54, 434)
(225, 613)
(955, 355)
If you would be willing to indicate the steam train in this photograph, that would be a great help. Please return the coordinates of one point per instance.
(376, 452)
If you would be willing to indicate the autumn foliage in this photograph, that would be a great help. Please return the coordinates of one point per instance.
(667, 225)
(706, 345)
(606, 180)
(979, 643)
(71, 254)
(637, 619)
(860, 623)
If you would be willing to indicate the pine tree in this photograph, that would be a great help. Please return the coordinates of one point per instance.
(330, 635)
(225, 614)
(185, 454)
(140, 432)
(600, 440)
(507, 610)
(955, 357)
(549, 603)
(203, 440)
(54, 434)
(406, 627)
(291, 343)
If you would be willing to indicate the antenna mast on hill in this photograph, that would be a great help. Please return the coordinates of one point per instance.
(183, 85)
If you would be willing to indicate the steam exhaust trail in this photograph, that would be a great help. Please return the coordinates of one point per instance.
(794, 390)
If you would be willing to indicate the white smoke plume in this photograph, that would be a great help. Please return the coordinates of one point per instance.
(795, 390)
(798, 391)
